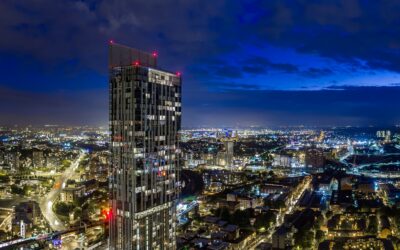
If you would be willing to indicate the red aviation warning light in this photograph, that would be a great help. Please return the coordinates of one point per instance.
(111, 41)
(154, 54)
(178, 73)
(107, 213)
(136, 63)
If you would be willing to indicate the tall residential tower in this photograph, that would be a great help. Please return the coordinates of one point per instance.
(145, 116)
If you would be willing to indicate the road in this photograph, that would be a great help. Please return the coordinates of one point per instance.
(6, 223)
(281, 215)
(71, 241)
(182, 211)
(13, 244)
(358, 169)
(46, 203)
(189, 207)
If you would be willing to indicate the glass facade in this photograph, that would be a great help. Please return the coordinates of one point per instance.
(145, 116)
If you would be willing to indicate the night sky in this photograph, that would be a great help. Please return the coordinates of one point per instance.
(244, 63)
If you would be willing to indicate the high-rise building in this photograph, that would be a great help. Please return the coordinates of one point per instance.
(11, 160)
(228, 145)
(145, 116)
(37, 158)
(315, 158)
(385, 135)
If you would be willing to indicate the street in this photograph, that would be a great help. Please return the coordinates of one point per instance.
(46, 203)
(280, 218)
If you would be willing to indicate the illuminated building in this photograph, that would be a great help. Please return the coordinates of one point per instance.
(228, 145)
(314, 158)
(71, 193)
(37, 158)
(385, 135)
(145, 116)
(25, 216)
(283, 161)
(11, 160)
(283, 237)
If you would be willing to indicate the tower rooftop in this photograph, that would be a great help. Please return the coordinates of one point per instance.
(122, 55)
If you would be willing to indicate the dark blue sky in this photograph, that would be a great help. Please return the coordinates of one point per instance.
(244, 62)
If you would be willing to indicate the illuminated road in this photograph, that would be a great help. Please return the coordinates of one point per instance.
(46, 203)
(281, 215)
(66, 234)
(359, 169)
(5, 225)
(184, 209)
(188, 208)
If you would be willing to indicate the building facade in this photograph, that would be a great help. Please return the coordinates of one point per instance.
(145, 116)
(315, 158)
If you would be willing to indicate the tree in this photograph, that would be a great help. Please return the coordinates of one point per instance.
(334, 222)
(362, 223)
(16, 190)
(280, 203)
(4, 178)
(27, 189)
(390, 212)
(223, 213)
(372, 225)
(65, 164)
(347, 225)
(265, 220)
(3, 235)
(303, 238)
(352, 209)
(77, 212)
(241, 217)
(266, 156)
(319, 235)
(80, 201)
(63, 208)
(319, 221)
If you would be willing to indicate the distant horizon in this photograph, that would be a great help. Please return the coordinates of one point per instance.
(334, 106)
(397, 126)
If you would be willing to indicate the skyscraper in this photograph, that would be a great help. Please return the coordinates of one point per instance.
(145, 116)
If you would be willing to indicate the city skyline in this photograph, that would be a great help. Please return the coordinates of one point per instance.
(268, 64)
(177, 125)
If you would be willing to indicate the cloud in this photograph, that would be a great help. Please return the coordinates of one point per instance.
(229, 86)
(334, 106)
(317, 72)
(228, 71)
(235, 104)
(59, 107)
(56, 31)
(341, 30)
(258, 65)
(56, 52)
(193, 32)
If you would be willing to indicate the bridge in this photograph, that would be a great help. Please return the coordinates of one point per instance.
(11, 244)
(183, 209)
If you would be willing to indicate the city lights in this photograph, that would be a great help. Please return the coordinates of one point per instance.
(283, 133)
